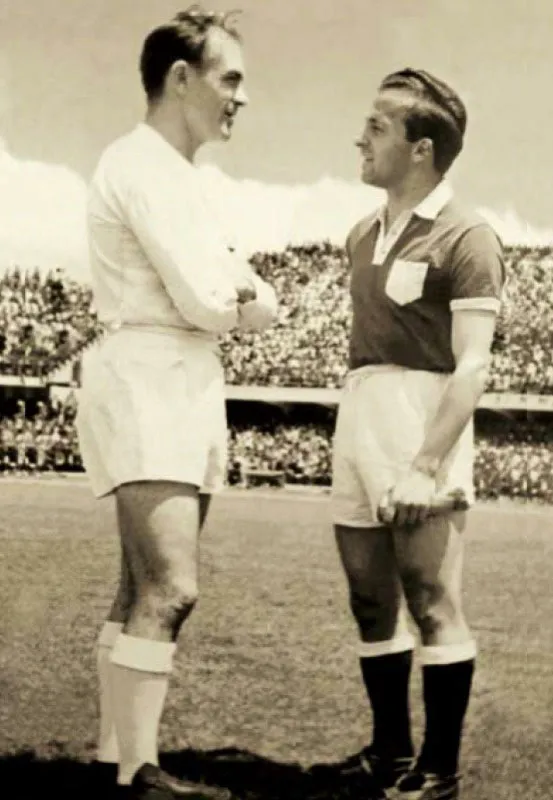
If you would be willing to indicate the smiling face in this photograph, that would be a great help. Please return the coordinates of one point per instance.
(388, 157)
(215, 91)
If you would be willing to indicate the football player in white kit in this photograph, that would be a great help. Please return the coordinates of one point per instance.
(152, 419)
(426, 282)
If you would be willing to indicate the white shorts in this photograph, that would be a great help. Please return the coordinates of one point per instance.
(152, 407)
(382, 420)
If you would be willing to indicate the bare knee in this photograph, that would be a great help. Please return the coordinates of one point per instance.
(177, 595)
(431, 604)
(166, 603)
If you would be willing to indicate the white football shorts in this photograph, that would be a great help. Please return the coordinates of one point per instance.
(383, 417)
(152, 407)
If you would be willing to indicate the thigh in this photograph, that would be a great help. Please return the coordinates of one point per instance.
(368, 559)
(430, 559)
(126, 588)
(159, 525)
(125, 535)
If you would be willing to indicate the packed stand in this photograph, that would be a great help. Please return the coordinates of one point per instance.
(307, 346)
(522, 361)
(44, 321)
(40, 437)
(514, 457)
(301, 452)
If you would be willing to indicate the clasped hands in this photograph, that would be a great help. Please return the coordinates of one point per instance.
(409, 502)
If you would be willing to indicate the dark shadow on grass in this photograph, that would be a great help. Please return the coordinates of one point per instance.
(247, 775)
(27, 775)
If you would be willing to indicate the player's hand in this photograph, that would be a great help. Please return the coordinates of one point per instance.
(412, 498)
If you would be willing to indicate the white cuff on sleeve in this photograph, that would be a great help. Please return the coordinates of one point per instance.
(476, 304)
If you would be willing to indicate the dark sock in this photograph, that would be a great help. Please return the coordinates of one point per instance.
(446, 690)
(386, 680)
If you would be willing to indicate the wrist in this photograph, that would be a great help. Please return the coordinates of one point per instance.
(427, 466)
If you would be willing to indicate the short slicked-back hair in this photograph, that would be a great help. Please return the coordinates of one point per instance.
(183, 38)
(438, 113)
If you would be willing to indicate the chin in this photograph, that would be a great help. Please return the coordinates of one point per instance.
(371, 180)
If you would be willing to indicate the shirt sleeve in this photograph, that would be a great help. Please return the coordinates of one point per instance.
(192, 263)
(260, 313)
(478, 271)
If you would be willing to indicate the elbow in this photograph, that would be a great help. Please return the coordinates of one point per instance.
(474, 370)
(215, 318)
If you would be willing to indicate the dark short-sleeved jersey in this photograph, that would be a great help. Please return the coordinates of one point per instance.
(406, 286)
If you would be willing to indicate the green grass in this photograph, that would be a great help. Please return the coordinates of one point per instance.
(267, 662)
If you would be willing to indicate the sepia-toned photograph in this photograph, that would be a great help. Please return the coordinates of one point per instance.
(276, 400)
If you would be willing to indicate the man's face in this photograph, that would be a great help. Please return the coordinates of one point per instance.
(215, 93)
(387, 155)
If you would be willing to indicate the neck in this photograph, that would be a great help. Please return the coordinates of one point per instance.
(167, 123)
(407, 196)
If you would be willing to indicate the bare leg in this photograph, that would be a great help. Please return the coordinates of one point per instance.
(430, 560)
(159, 531)
(386, 646)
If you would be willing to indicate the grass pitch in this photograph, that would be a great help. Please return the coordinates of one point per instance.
(266, 664)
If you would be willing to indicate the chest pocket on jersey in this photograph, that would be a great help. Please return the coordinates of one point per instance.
(405, 281)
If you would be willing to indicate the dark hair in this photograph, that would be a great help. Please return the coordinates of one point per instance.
(184, 37)
(439, 114)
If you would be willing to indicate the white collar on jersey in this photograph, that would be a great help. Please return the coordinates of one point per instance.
(430, 206)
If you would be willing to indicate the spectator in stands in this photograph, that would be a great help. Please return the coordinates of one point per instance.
(42, 323)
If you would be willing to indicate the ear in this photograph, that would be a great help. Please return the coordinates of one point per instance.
(178, 77)
(423, 150)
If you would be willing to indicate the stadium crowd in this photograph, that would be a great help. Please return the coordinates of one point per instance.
(46, 320)
(514, 457)
(43, 440)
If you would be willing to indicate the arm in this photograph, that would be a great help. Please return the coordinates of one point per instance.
(472, 335)
(194, 268)
(477, 278)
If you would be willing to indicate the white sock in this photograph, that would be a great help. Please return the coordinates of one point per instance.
(140, 678)
(108, 749)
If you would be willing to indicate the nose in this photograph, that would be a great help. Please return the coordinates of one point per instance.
(241, 98)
